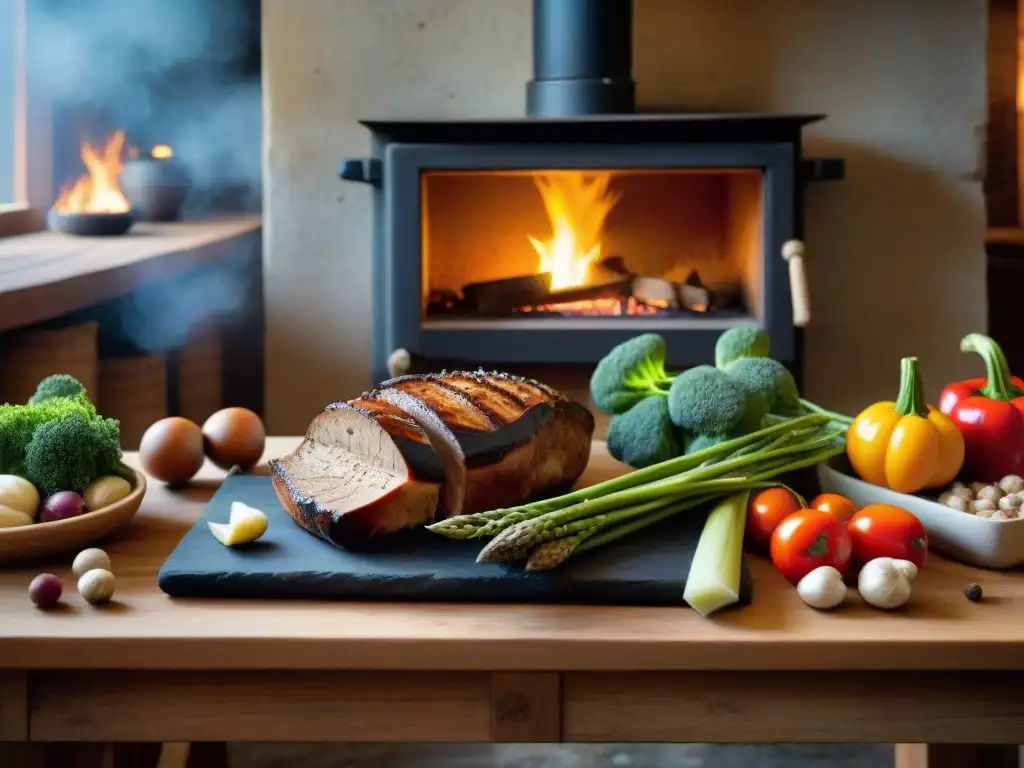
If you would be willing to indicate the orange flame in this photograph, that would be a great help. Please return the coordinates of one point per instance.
(161, 152)
(577, 205)
(97, 190)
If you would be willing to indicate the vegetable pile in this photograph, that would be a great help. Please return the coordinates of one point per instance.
(544, 534)
(994, 501)
(819, 546)
(57, 448)
(657, 416)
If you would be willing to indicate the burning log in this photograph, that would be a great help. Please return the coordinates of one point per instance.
(613, 289)
(655, 292)
(492, 297)
(694, 295)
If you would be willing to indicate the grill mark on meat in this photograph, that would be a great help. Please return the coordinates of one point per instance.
(504, 407)
(452, 406)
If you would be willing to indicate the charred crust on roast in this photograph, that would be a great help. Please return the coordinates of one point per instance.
(303, 509)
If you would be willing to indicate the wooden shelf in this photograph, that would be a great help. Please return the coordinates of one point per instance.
(46, 275)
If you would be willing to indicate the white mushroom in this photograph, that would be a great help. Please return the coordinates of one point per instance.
(1010, 501)
(822, 588)
(961, 490)
(977, 486)
(1012, 484)
(990, 493)
(982, 505)
(986, 512)
(884, 583)
(953, 501)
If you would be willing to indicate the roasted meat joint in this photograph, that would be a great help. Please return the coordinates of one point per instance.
(424, 447)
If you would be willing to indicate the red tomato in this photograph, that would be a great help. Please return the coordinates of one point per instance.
(765, 511)
(808, 539)
(836, 505)
(882, 530)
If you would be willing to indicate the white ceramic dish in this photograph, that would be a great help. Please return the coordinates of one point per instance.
(975, 540)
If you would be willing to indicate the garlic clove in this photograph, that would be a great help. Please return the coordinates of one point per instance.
(907, 568)
(1012, 484)
(822, 588)
(883, 585)
(245, 525)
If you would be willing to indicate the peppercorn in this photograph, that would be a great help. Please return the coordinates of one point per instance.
(973, 592)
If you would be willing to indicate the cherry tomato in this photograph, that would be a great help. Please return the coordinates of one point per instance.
(883, 530)
(836, 505)
(808, 539)
(765, 510)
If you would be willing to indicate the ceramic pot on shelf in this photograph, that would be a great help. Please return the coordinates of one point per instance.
(156, 186)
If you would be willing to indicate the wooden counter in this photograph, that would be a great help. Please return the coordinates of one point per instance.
(48, 274)
(943, 670)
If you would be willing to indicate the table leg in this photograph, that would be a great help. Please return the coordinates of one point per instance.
(957, 756)
(207, 754)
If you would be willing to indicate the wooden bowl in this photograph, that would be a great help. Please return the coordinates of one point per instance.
(70, 536)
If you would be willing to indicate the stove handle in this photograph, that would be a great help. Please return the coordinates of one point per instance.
(368, 170)
(793, 253)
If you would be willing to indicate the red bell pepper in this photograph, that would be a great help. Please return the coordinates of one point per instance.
(989, 413)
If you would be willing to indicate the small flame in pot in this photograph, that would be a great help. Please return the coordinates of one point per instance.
(97, 190)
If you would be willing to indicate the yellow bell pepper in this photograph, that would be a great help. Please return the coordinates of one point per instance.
(906, 445)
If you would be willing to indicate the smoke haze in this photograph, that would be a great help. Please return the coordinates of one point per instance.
(177, 72)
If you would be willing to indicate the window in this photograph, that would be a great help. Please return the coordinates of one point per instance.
(8, 54)
(25, 171)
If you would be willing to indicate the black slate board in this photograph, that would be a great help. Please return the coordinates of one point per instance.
(646, 568)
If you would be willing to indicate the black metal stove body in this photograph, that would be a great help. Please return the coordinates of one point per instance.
(404, 151)
(580, 107)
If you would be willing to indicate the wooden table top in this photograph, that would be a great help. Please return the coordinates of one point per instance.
(145, 629)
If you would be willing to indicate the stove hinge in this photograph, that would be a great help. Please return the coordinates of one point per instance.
(368, 170)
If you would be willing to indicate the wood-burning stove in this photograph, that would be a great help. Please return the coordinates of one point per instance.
(551, 238)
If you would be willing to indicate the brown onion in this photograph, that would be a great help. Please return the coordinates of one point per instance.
(234, 437)
(171, 450)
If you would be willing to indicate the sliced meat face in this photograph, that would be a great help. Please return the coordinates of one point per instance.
(349, 483)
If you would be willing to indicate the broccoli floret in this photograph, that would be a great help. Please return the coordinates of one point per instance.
(737, 343)
(67, 454)
(19, 422)
(705, 401)
(644, 434)
(57, 385)
(769, 382)
(700, 442)
(631, 371)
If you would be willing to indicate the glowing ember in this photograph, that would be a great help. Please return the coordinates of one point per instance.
(98, 190)
(577, 205)
(162, 152)
(598, 307)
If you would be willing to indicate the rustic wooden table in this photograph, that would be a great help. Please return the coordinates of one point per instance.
(147, 668)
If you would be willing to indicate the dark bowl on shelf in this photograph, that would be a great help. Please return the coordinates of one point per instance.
(90, 224)
(155, 187)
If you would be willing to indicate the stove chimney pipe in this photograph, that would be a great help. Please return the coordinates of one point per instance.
(582, 58)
